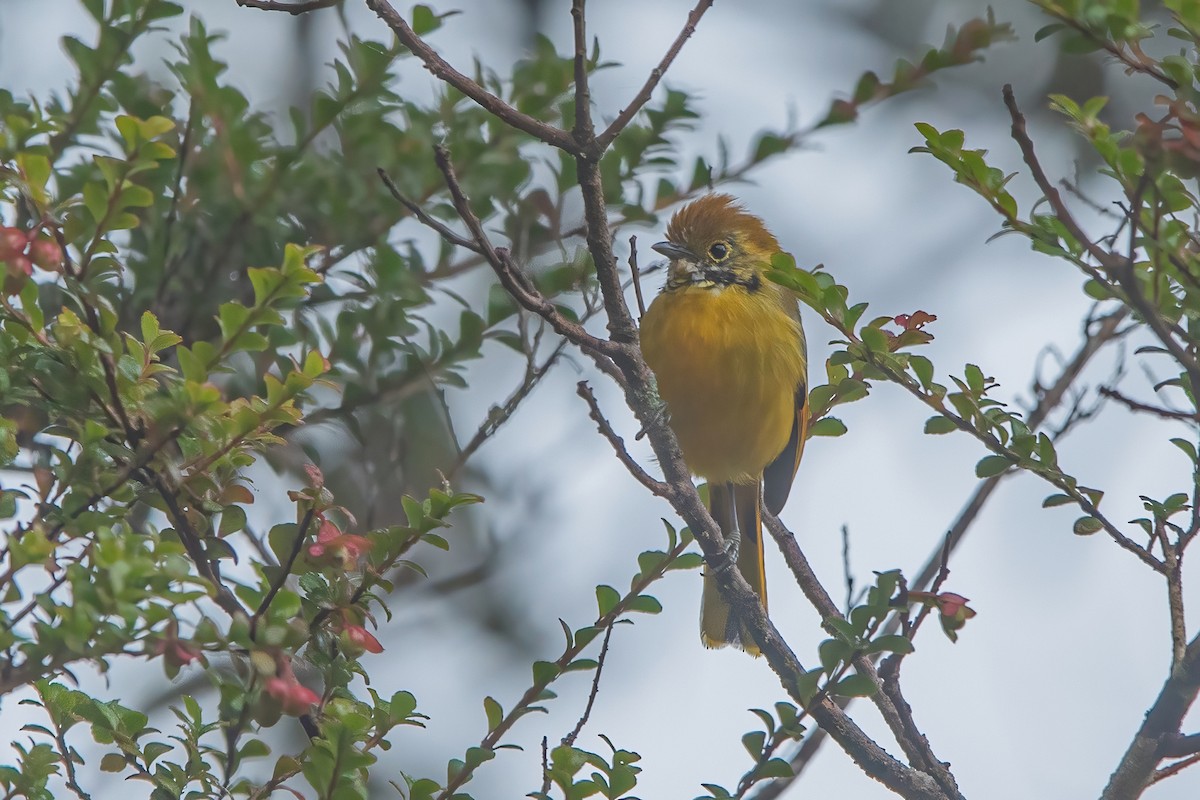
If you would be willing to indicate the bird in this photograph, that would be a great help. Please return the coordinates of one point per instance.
(728, 352)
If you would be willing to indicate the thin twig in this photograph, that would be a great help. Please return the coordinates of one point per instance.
(847, 575)
(424, 217)
(285, 572)
(1136, 405)
(1173, 769)
(636, 276)
(520, 287)
(584, 131)
(545, 767)
(1048, 400)
(1119, 267)
(618, 444)
(643, 96)
(498, 415)
(193, 545)
(444, 72)
(569, 739)
(65, 753)
(916, 747)
(295, 9)
(1137, 62)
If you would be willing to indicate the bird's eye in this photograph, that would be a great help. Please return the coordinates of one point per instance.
(718, 251)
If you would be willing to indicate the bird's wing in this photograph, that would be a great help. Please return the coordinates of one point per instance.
(778, 476)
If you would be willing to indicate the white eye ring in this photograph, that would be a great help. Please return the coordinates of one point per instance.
(719, 251)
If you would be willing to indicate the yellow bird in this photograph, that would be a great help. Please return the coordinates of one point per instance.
(728, 350)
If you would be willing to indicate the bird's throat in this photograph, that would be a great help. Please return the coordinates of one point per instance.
(714, 278)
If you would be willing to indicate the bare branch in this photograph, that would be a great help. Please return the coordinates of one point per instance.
(441, 69)
(621, 358)
(499, 414)
(570, 738)
(519, 286)
(425, 218)
(1137, 405)
(636, 276)
(630, 111)
(1159, 732)
(295, 9)
(618, 444)
(192, 543)
(1174, 769)
(285, 572)
(584, 131)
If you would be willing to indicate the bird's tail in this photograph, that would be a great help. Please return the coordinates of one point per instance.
(737, 508)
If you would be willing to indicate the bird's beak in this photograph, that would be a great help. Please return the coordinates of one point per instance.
(675, 252)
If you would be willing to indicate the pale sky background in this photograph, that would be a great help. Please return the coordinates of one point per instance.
(1045, 688)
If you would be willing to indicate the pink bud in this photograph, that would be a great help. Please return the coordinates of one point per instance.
(360, 639)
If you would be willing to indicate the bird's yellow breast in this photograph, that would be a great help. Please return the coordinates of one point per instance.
(728, 362)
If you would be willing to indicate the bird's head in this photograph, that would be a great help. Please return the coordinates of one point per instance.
(714, 242)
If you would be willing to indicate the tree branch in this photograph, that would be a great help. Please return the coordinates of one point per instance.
(1136, 405)
(916, 747)
(1048, 400)
(1159, 731)
(517, 285)
(441, 69)
(584, 131)
(425, 218)
(295, 9)
(618, 444)
(642, 97)
(622, 359)
(1119, 267)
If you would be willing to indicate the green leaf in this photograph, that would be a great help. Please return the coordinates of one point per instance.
(940, 424)
(829, 426)
(990, 466)
(1057, 500)
(774, 768)
(754, 742)
(1048, 30)
(495, 714)
(544, 672)
(424, 20)
(112, 762)
(855, 686)
(1086, 526)
(646, 604)
(1188, 448)
(808, 683)
(922, 367)
(891, 643)
(832, 652)
(606, 599)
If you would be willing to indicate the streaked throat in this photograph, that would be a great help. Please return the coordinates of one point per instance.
(705, 277)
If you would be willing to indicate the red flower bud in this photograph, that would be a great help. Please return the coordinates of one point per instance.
(356, 639)
(295, 699)
(315, 478)
(951, 604)
(13, 242)
(333, 544)
(20, 266)
(180, 654)
(46, 254)
(175, 652)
